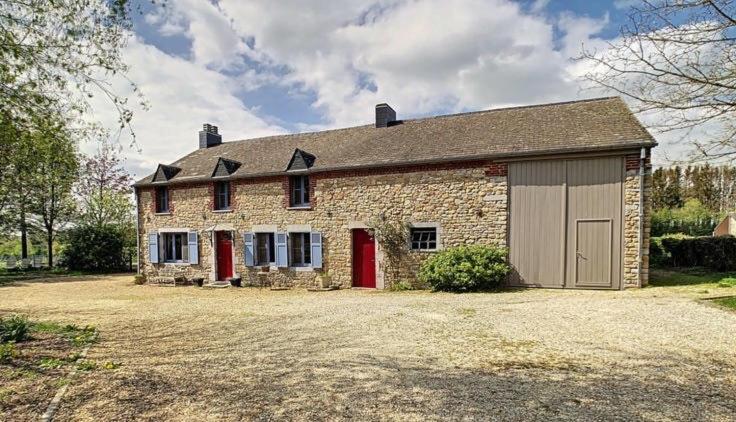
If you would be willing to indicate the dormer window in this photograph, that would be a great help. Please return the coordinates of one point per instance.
(299, 195)
(162, 199)
(222, 196)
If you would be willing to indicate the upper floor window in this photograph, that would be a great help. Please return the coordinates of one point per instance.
(424, 239)
(222, 196)
(162, 199)
(299, 195)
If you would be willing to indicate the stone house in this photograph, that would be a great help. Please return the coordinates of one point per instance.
(565, 187)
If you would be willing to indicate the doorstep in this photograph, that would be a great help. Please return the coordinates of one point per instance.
(217, 285)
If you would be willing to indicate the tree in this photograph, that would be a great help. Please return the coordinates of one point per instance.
(56, 165)
(104, 188)
(677, 58)
(54, 55)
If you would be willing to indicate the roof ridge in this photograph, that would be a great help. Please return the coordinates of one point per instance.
(440, 116)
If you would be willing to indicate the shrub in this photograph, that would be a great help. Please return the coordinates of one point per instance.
(401, 286)
(716, 253)
(92, 248)
(15, 329)
(693, 219)
(465, 268)
(139, 279)
(7, 352)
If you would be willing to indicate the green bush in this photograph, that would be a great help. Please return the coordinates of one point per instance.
(14, 328)
(92, 248)
(139, 279)
(717, 253)
(7, 352)
(465, 268)
(692, 219)
(401, 286)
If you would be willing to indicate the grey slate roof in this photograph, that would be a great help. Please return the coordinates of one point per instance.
(578, 126)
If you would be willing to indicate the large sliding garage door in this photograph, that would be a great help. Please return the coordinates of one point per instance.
(565, 226)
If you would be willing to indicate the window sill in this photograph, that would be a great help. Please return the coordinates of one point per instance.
(163, 213)
(424, 250)
(300, 208)
(222, 211)
(302, 269)
(176, 263)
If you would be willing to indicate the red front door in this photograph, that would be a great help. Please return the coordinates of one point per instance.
(224, 255)
(364, 259)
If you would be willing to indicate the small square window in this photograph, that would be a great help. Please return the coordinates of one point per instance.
(424, 239)
(222, 196)
(299, 191)
(162, 199)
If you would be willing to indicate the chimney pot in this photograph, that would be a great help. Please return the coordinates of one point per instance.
(208, 136)
(385, 115)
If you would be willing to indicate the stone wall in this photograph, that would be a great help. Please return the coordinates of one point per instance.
(468, 205)
(632, 262)
(468, 202)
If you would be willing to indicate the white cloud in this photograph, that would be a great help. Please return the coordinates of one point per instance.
(182, 96)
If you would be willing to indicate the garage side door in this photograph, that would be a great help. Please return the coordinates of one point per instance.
(536, 248)
(594, 214)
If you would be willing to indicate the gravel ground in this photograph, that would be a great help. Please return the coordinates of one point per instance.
(233, 354)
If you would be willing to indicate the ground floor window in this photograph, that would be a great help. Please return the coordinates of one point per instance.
(424, 238)
(265, 253)
(175, 247)
(300, 249)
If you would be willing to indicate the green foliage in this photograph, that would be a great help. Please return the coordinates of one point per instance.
(110, 365)
(401, 285)
(727, 282)
(716, 253)
(86, 365)
(15, 328)
(96, 248)
(77, 336)
(50, 363)
(139, 279)
(8, 352)
(660, 277)
(465, 268)
(728, 302)
(693, 219)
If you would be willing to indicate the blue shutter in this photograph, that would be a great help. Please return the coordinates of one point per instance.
(282, 259)
(316, 250)
(248, 253)
(193, 248)
(153, 247)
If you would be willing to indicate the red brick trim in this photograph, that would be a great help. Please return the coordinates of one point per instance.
(232, 196)
(632, 162)
(498, 169)
(286, 186)
(211, 195)
(152, 191)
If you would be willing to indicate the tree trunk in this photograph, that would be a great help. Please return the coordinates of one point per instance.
(23, 234)
(50, 244)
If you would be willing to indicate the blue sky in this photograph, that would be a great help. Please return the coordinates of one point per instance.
(262, 67)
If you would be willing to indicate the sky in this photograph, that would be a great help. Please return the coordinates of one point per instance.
(265, 67)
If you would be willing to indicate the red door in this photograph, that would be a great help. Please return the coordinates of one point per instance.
(364, 259)
(224, 255)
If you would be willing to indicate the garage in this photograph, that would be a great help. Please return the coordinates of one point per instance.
(566, 222)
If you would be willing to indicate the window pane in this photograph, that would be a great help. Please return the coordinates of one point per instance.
(262, 257)
(424, 239)
(296, 249)
(305, 183)
(184, 247)
(307, 249)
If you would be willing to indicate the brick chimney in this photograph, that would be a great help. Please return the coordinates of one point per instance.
(208, 136)
(385, 115)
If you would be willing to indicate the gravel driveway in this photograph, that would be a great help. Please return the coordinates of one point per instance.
(232, 354)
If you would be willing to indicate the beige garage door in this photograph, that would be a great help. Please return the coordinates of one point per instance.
(565, 223)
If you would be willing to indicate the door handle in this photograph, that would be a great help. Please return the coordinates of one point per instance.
(579, 255)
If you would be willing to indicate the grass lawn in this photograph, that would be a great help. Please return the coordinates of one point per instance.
(9, 276)
(187, 353)
(728, 302)
(668, 277)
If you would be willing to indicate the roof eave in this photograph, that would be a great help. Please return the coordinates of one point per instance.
(634, 144)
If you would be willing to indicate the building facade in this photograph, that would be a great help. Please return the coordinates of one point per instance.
(302, 210)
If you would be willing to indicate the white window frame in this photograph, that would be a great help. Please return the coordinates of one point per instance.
(164, 247)
(303, 181)
(306, 246)
(270, 247)
(420, 226)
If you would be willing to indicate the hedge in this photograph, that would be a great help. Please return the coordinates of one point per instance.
(465, 268)
(717, 253)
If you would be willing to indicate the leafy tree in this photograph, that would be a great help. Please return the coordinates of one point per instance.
(56, 165)
(677, 57)
(104, 189)
(96, 248)
(55, 55)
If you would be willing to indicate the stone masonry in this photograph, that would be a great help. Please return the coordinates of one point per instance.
(468, 202)
(468, 205)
